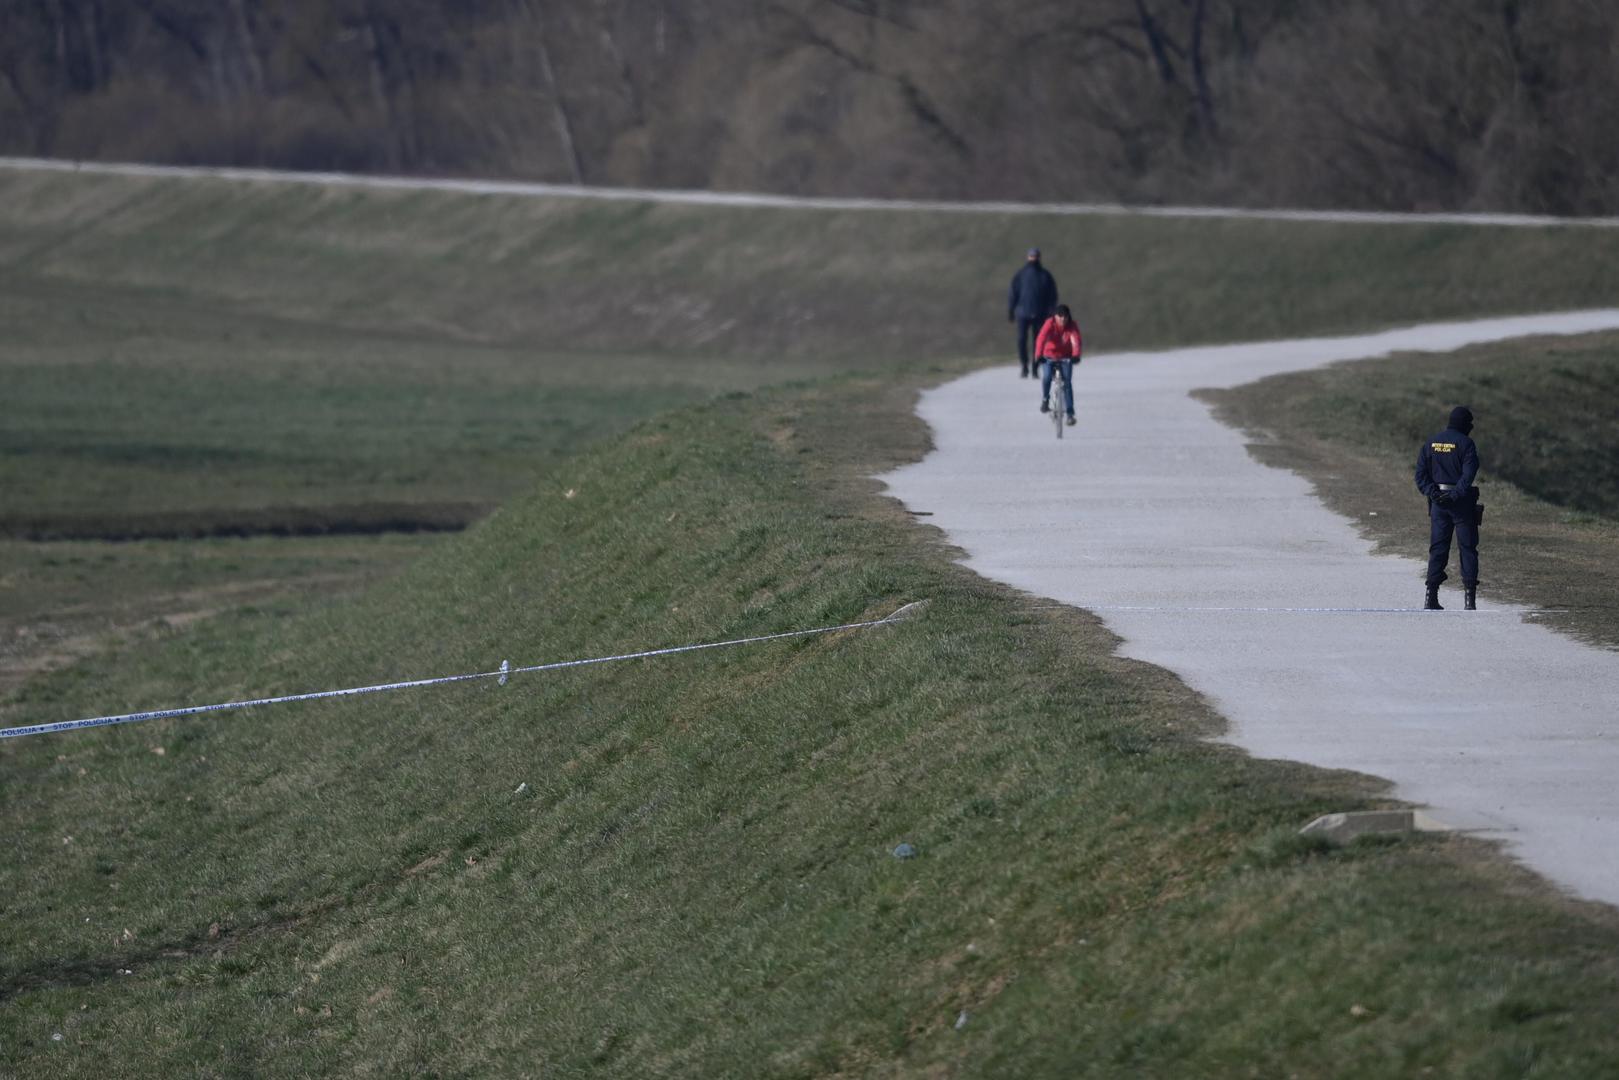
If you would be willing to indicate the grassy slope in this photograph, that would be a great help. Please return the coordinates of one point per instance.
(1549, 439)
(871, 287)
(186, 355)
(644, 909)
(190, 357)
(697, 880)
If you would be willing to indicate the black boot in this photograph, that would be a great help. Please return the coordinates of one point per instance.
(1433, 599)
(1470, 601)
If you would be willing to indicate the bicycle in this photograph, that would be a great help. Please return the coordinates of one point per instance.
(1054, 400)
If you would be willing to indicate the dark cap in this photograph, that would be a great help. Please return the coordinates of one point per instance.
(1461, 419)
(1034, 253)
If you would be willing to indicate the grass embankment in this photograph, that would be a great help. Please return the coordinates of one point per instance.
(697, 879)
(1548, 436)
(210, 359)
(195, 357)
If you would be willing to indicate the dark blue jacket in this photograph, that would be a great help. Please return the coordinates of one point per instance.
(1447, 458)
(1033, 294)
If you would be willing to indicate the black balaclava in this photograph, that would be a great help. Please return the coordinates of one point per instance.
(1461, 419)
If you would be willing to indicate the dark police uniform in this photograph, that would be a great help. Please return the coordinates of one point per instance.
(1446, 467)
(1029, 303)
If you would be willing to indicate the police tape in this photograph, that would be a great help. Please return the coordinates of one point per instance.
(504, 672)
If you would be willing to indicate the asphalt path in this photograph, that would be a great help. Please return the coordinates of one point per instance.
(1234, 576)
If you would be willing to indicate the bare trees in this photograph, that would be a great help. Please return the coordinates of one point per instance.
(1442, 103)
(348, 83)
(49, 50)
(1450, 103)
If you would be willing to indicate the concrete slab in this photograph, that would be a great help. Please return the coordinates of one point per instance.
(1343, 827)
(1234, 576)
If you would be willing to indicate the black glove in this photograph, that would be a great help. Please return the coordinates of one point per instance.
(1443, 497)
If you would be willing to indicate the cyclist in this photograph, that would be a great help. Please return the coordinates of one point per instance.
(1059, 343)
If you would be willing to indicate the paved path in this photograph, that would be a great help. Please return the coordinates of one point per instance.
(788, 202)
(1235, 577)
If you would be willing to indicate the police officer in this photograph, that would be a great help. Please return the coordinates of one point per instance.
(1446, 467)
(1030, 302)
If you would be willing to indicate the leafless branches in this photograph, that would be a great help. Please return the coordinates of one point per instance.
(1428, 103)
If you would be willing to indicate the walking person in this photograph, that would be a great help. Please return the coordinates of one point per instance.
(1447, 465)
(1030, 302)
(1059, 342)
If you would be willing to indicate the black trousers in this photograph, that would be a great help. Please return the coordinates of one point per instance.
(1457, 519)
(1027, 330)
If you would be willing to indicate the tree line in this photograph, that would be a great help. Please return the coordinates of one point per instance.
(1397, 104)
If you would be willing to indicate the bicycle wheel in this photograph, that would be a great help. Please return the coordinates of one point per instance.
(1055, 401)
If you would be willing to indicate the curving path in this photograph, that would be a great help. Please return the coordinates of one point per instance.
(1233, 575)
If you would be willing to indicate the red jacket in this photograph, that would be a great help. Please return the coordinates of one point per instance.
(1058, 342)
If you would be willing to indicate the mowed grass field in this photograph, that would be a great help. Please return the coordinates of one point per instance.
(1549, 441)
(697, 877)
